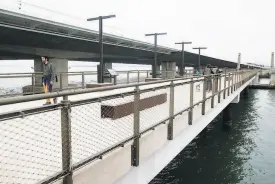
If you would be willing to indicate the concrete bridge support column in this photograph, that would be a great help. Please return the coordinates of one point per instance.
(38, 68)
(227, 112)
(227, 115)
(256, 79)
(168, 70)
(178, 70)
(246, 92)
(158, 73)
(272, 70)
(272, 76)
(239, 62)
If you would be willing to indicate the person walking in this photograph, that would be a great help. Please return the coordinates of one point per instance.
(48, 77)
(207, 73)
(217, 77)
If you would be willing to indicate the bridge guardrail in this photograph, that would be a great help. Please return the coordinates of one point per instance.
(49, 143)
(31, 83)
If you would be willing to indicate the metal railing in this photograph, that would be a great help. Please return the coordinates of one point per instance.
(43, 144)
(32, 83)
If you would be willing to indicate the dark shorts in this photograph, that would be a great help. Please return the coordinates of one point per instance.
(47, 81)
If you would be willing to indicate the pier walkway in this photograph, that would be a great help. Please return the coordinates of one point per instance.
(74, 141)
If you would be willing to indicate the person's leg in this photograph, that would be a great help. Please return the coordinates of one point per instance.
(48, 86)
(45, 86)
(50, 90)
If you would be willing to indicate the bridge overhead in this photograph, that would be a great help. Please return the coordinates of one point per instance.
(26, 37)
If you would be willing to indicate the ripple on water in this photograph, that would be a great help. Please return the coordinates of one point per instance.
(245, 153)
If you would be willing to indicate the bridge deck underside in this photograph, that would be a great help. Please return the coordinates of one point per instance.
(24, 37)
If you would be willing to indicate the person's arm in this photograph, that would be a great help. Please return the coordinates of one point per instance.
(52, 72)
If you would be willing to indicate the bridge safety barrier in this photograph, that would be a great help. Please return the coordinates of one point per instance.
(43, 144)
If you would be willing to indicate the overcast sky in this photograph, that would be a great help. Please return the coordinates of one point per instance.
(226, 27)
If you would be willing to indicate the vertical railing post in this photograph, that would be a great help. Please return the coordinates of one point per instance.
(128, 77)
(115, 80)
(244, 77)
(65, 97)
(83, 80)
(232, 82)
(224, 85)
(138, 76)
(228, 84)
(33, 82)
(213, 78)
(203, 96)
(239, 80)
(220, 88)
(241, 76)
(171, 112)
(190, 113)
(66, 141)
(61, 82)
(147, 73)
(135, 146)
(235, 80)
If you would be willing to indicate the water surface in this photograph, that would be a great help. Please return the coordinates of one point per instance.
(243, 154)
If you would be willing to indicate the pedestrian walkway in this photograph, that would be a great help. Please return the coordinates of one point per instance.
(32, 140)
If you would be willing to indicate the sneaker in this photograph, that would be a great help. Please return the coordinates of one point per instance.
(47, 103)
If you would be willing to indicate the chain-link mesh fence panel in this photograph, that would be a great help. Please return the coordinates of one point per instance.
(30, 148)
(182, 97)
(198, 90)
(101, 125)
(154, 107)
(182, 94)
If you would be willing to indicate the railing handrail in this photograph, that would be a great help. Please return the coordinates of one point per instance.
(80, 72)
(20, 99)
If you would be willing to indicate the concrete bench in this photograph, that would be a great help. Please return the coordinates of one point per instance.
(152, 79)
(38, 89)
(125, 109)
(97, 85)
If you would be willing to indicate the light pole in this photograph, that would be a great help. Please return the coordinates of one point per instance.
(154, 73)
(100, 74)
(199, 48)
(239, 61)
(182, 66)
